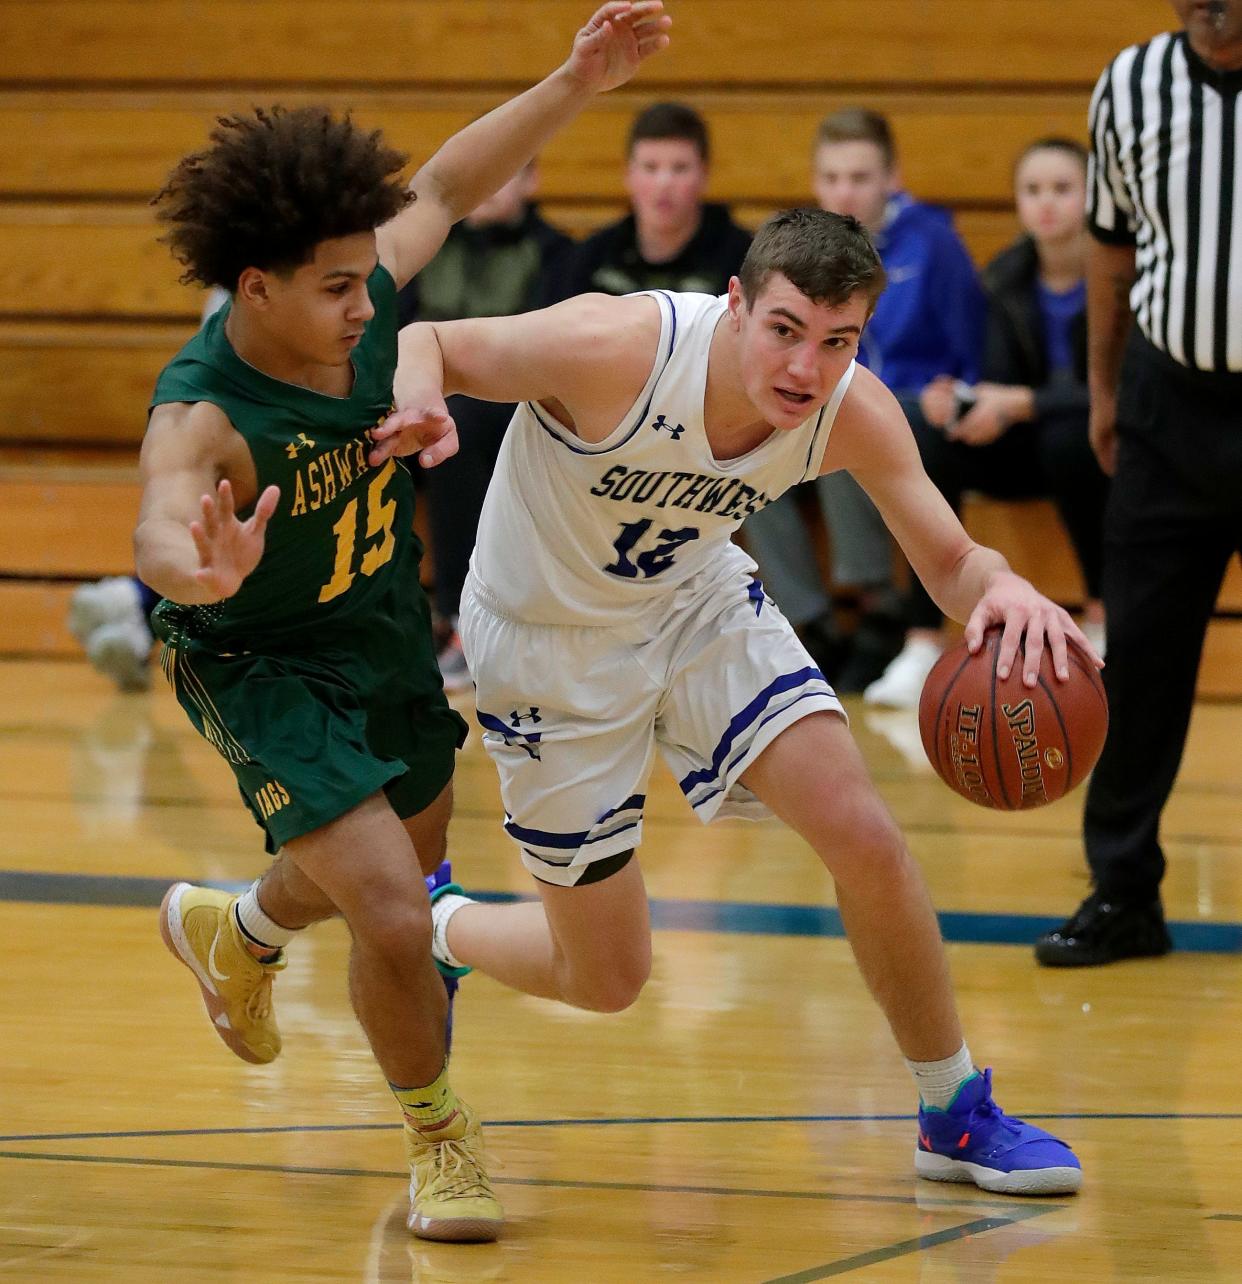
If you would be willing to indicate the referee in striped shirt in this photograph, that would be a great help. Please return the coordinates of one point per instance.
(1164, 313)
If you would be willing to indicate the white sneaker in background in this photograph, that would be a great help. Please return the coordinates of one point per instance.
(900, 729)
(901, 684)
(107, 618)
(112, 600)
(1094, 629)
(454, 670)
(122, 652)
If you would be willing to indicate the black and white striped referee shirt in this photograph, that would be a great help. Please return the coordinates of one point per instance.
(1165, 178)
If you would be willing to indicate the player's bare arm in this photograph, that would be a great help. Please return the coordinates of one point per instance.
(606, 52)
(189, 545)
(585, 360)
(969, 582)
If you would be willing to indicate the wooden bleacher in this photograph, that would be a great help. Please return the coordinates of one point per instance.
(102, 97)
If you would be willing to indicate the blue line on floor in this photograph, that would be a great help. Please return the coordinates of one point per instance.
(958, 926)
(621, 1121)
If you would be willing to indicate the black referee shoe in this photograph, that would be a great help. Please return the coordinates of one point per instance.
(1103, 931)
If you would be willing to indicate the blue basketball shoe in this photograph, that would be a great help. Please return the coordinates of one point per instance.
(437, 884)
(975, 1141)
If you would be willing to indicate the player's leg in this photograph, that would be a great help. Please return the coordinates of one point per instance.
(751, 730)
(233, 944)
(570, 728)
(588, 945)
(428, 831)
(362, 862)
(812, 776)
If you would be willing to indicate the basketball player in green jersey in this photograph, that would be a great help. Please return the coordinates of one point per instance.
(296, 635)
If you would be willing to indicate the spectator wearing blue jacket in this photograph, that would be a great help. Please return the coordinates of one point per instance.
(927, 326)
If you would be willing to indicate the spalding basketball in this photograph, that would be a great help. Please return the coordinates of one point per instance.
(1005, 745)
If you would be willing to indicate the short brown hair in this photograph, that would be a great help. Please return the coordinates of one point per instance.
(859, 125)
(829, 257)
(272, 185)
(670, 120)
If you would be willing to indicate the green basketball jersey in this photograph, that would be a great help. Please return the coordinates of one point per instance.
(341, 539)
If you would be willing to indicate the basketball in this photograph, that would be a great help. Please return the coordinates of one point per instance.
(1002, 744)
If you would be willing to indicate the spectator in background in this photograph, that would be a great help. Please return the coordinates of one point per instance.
(1022, 432)
(671, 239)
(501, 259)
(1165, 369)
(928, 324)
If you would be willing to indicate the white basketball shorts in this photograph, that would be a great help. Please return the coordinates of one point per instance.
(572, 716)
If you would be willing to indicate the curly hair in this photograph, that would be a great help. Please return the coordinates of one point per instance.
(273, 184)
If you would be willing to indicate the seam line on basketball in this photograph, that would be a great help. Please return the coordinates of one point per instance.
(1000, 774)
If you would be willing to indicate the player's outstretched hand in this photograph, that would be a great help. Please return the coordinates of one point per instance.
(228, 550)
(428, 431)
(617, 40)
(1014, 604)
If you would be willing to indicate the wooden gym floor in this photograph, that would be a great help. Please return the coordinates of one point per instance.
(747, 1121)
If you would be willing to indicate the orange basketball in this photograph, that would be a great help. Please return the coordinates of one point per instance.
(1002, 744)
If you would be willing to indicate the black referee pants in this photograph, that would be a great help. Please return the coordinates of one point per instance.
(1174, 518)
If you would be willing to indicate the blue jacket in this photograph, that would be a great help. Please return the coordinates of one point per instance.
(930, 319)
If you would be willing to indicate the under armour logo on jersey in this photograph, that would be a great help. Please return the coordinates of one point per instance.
(301, 442)
(673, 430)
(531, 715)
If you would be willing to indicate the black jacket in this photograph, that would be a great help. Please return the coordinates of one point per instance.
(491, 271)
(609, 261)
(1014, 349)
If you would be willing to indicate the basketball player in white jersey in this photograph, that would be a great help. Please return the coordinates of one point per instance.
(608, 614)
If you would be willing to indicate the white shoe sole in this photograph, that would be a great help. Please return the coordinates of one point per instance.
(1034, 1181)
(454, 1230)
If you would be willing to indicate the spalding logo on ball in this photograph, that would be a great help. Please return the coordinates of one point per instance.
(1005, 745)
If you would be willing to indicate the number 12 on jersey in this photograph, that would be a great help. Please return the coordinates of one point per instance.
(650, 562)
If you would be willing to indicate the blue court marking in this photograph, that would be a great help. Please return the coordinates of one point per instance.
(620, 1121)
(742, 917)
(747, 918)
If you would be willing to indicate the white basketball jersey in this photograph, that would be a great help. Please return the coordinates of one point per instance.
(599, 534)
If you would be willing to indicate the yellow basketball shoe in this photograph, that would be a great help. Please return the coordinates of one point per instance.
(198, 926)
(451, 1197)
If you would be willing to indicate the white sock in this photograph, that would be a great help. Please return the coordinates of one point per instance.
(939, 1081)
(442, 909)
(256, 926)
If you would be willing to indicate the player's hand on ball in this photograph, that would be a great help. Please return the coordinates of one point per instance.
(616, 41)
(428, 431)
(228, 550)
(1013, 604)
